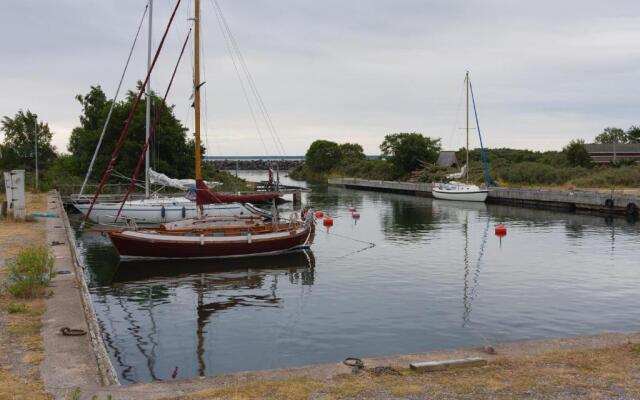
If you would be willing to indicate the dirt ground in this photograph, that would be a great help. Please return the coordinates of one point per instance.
(20, 320)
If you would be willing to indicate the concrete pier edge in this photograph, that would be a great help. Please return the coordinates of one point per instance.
(575, 200)
(108, 373)
(71, 362)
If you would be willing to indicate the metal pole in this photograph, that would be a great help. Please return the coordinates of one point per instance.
(35, 141)
(148, 119)
(467, 86)
(196, 86)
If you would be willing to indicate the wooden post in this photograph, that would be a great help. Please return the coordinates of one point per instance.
(431, 366)
(297, 198)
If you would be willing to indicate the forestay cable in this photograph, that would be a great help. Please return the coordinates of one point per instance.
(113, 102)
(251, 82)
(154, 128)
(125, 129)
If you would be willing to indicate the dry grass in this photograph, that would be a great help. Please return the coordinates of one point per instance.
(17, 234)
(605, 373)
(15, 386)
(21, 348)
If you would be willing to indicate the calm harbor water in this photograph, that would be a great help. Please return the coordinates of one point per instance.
(411, 275)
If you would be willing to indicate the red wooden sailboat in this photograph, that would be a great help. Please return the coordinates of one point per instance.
(221, 237)
(237, 239)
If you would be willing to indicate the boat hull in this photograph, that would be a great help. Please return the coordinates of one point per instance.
(152, 212)
(137, 244)
(475, 196)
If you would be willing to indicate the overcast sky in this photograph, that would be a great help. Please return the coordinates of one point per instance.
(544, 72)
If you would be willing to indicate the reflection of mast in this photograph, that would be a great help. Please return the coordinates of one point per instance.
(200, 323)
(465, 296)
(469, 295)
(135, 329)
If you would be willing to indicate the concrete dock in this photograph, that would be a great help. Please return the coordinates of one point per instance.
(577, 200)
(71, 361)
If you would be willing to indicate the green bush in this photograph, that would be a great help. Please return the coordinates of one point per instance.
(30, 272)
(535, 173)
(628, 175)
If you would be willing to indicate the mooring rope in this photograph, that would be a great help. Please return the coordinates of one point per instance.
(368, 246)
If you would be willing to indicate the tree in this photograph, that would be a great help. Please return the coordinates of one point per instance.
(407, 150)
(633, 134)
(577, 154)
(351, 153)
(322, 156)
(20, 134)
(612, 135)
(171, 153)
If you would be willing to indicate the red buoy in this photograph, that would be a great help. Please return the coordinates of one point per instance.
(328, 221)
(319, 214)
(355, 215)
(352, 209)
(501, 230)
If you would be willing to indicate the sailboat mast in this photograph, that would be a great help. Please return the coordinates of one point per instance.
(466, 80)
(196, 86)
(148, 98)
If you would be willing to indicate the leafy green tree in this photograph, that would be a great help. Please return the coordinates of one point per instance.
(406, 151)
(352, 153)
(8, 158)
(172, 153)
(20, 134)
(322, 156)
(633, 134)
(612, 135)
(577, 154)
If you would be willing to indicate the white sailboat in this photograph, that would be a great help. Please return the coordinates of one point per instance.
(154, 209)
(457, 190)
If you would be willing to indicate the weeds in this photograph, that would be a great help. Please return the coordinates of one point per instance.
(30, 272)
(17, 308)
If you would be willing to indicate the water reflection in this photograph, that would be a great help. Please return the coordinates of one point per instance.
(140, 289)
(436, 278)
(408, 219)
(463, 212)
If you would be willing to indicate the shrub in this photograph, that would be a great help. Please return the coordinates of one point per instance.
(30, 271)
(534, 173)
(608, 177)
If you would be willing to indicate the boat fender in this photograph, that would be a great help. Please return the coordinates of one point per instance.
(163, 212)
(201, 239)
(184, 212)
(608, 203)
(249, 237)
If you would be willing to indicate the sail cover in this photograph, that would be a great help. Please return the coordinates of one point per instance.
(184, 184)
(206, 196)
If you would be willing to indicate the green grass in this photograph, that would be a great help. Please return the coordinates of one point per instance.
(17, 308)
(30, 272)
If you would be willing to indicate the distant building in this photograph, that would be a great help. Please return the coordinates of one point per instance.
(610, 152)
(447, 159)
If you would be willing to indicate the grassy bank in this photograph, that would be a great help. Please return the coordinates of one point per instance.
(601, 373)
(21, 349)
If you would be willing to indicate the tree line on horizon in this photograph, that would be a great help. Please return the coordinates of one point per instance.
(171, 153)
(405, 155)
(413, 156)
